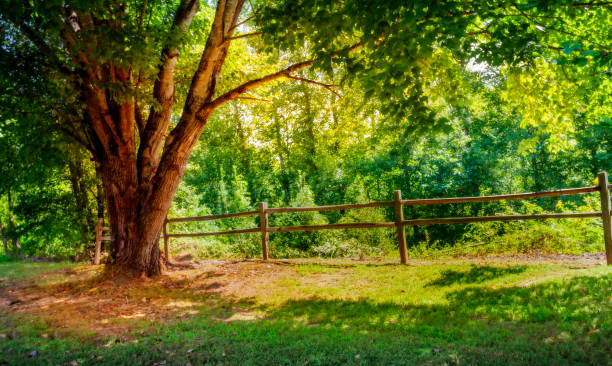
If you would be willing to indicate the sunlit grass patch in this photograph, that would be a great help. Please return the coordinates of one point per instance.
(320, 312)
(10, 271)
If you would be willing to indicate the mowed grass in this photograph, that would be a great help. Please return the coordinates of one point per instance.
(452, 312)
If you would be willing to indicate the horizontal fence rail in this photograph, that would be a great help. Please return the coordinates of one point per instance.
(357, 225)
(463, 220)
(603, 187)
(503, 197)
(213, 217)
(237, 231)
(331, 207)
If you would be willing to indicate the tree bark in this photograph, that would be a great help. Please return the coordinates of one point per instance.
(99, 193)
(140, 183)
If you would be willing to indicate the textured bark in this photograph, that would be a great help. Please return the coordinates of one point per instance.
(140, 182)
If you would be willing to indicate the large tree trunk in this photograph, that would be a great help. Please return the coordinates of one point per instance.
(140, 182)
(141, 169)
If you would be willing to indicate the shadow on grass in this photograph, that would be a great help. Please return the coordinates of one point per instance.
(476, 274)
(565, 322)
(581, 303)
(323, 265)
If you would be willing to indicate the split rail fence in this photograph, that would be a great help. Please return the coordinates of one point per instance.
(400, 223)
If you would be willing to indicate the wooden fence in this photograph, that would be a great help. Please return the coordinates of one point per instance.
(100, 237)
(264, 229)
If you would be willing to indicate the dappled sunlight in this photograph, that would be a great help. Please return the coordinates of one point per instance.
(553, 306)
(180, 304)
(135, 315)
(476, 274)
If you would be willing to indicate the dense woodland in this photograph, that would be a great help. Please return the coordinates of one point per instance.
(437, 117)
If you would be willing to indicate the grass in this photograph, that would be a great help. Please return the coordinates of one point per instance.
(442, 312)
(10, 271)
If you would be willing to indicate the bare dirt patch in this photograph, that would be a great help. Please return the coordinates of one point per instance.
(88, 301)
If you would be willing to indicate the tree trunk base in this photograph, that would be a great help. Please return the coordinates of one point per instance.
(122, 274)
(134, 271)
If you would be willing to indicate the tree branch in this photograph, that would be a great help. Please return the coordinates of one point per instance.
(152, 133)
(251, 84)
(326, 86)
(140, 122)
(166, 174)
(49, 55)
(242, 22)
(254, 99)
(244, 36)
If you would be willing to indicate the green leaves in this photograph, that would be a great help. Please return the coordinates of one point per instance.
(570, 46)
(397, 37)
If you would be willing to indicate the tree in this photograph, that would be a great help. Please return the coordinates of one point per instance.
(115, 65)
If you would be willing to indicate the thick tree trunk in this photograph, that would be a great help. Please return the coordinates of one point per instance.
(136, 224)
(139, 191)
(141, 169)
(122, 203)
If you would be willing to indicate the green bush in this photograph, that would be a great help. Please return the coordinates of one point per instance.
(553, 236)
(303, 241)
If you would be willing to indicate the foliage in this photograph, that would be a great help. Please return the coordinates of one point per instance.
(395, 41)
(350, 156)
(565, 236)
(303, 241)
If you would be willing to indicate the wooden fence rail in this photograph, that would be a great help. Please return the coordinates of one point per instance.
(603, 187)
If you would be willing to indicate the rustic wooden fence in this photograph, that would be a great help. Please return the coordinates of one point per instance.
(264, 229)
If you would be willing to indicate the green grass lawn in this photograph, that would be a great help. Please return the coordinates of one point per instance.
(326, 312)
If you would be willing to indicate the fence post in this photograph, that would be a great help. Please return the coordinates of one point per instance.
(98, 246)
(401, 234)
(263, 224)
(605, 214)
(166, 239)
